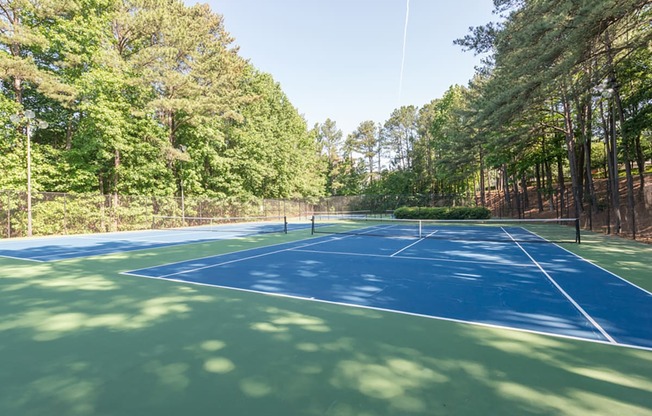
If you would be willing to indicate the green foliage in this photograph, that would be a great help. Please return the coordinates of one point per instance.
(125, 86)
(270, 153)
(399, 135)
(365, 141)
(442, 213)
(152, 98)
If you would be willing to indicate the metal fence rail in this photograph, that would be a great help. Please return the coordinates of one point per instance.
(65, 213)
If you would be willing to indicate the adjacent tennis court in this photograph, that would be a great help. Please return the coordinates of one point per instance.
(342, 315)
(166, 231)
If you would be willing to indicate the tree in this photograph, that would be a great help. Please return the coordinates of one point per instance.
(364, 141)
(400, 133)
(560, 51)
(329, 139)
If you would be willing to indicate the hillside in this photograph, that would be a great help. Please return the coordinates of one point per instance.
(600, 221)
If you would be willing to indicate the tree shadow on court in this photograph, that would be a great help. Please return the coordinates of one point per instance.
(77, 338)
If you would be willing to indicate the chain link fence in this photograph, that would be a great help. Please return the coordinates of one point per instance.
(66, 213)
(383, 203)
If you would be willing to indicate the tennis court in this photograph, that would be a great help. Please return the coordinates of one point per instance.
(469, 276)
(341, 316)
(166, 231)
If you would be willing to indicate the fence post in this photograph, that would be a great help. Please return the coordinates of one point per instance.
(65, 214)
(8, 214)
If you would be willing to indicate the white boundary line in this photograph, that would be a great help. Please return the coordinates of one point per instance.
(605, 270)
(24, 259)
(162, 244)
(325, 240)
(567, 296)
(434, 259)
(406, 247)
(239, 259)
(416, 242)
(439, 318)
(361, 231)
(157, 234)
(99, 252)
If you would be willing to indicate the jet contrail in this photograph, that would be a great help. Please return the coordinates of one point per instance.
(400, 82)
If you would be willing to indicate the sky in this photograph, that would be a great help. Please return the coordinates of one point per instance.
(341, 59)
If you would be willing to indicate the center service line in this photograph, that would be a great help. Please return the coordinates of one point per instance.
(416, 242)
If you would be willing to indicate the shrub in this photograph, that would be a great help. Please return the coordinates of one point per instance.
(443, 213)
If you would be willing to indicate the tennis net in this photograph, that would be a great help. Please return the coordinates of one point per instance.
(557, 230)
(340, 214)
(250, 225)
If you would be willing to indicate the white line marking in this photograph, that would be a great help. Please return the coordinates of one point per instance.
(416, 242)
(155, 234)
(100, 252)
(439, 318)
(24, 259)
(360, 232)
(434, 259)
(563, 292)
(326, 238)
(605, 270)
(92, 252)
(218, 255)
(242, 258)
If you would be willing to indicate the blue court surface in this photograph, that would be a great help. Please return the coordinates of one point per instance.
(44, 249)
(526, 286)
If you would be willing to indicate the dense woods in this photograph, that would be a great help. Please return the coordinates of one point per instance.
(143, 97)
(563, 98)
(149, 97)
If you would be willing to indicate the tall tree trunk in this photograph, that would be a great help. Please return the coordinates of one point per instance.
(640, 163)
(431, 173)
(508, 199)
(538, 179)
(483, 199)
(517, 196)
(548, 170)
(585, 118)
(618, 110)
(607, 174)
(580, 151)
(570, 147)
(15, 52)
(526, 199)
(611, 154)
(561, 186)
(627, 144)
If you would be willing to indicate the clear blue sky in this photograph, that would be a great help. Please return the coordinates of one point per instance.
(341, 59)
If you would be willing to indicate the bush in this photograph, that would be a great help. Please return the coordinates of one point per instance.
(443, 213)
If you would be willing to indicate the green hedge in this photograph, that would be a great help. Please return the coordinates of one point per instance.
(443, 213)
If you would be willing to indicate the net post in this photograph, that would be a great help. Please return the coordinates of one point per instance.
(577, 231)
(312, 226)
(420, 229)
(285, 224)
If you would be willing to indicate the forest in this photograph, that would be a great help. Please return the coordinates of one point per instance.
(146, 97)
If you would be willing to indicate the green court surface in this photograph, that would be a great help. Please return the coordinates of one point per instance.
(79, 338)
